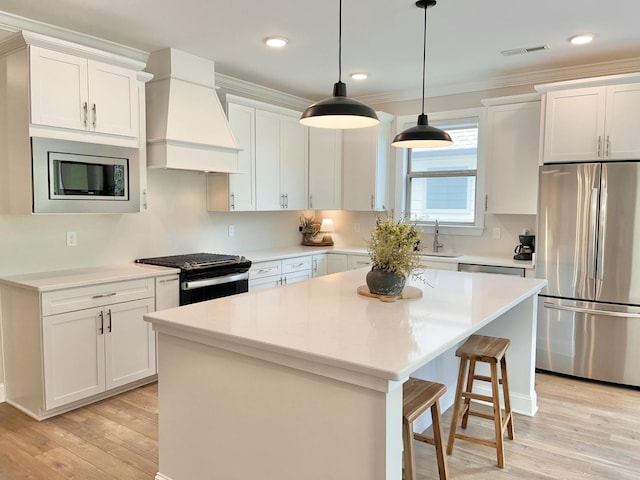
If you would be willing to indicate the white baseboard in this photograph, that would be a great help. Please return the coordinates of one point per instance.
(2, 394)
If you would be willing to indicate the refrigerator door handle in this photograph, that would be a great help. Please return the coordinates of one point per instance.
(591, 268)
(603, 233)
(591, 311)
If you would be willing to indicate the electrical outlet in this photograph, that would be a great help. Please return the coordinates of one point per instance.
(497, 233)
(232, 230)
(72, 239)
(356, 227)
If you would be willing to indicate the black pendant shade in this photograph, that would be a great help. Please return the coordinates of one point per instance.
(423, 135)
(339, 111)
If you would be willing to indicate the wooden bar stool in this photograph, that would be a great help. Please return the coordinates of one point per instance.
(417, 397)
(489, 350)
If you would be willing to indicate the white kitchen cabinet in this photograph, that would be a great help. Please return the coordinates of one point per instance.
(167, 292)
(281, 162)
(513, 140)
(325, 169)
(68, 91)
(90, 351)
(366, 166)
(67, 347)
(235, 192)
(440, 265)
(337, 263)
(358, 261)
(277, 273)
(319, 265)
(592, 123)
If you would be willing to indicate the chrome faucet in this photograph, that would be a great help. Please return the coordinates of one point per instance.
(436, 234)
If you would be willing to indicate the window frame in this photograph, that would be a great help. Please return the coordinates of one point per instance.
(402, 170)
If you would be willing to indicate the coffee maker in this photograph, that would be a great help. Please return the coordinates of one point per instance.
(524, 251)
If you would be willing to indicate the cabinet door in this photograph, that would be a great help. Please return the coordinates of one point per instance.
(293, 164)
(358, 167)
(574, 125)
(325, 169)
(167, 292)
(622, 122)
(130, 345)
(242, 185)
(113, 99)
(512, 158)
(73, 346)
(337, 263)
(296, 277)
(319, 266)
(59, 91)
(268, 195)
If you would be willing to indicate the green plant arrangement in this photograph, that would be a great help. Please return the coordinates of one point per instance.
(310, 228)
(394, 255)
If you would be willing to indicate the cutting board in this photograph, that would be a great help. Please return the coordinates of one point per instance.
(408, 292)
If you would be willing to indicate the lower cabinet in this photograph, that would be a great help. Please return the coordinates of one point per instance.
(64, 348)
(358, 261)
(319, 265)
(279, 272)
(337, 263)
(94, 350)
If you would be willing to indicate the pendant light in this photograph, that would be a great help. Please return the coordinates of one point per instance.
(339, 111)
(423, 135)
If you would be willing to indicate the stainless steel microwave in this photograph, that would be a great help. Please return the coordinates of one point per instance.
(74, 177)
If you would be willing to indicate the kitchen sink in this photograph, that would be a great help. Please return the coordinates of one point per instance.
(441, 255)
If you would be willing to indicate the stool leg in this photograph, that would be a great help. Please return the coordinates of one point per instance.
(467, 400)
(438, 440)
(497, 414)
(507, 397)
(409, 457)
(456, 404)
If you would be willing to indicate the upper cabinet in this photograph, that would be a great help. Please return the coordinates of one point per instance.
(365, 166)
(69, 91)
(273, 162)
(513, 139)
(325, 169)
(598, 121)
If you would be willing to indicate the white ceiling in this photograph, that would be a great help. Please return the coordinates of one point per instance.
(381, 37)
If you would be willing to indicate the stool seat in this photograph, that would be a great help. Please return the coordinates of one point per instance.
(490, 350)
(417, 397)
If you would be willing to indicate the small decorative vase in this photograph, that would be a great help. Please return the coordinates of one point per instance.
(385, 283)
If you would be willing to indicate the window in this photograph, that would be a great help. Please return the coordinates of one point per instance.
(442, 183)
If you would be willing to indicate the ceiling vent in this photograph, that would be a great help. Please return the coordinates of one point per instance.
(520, 51)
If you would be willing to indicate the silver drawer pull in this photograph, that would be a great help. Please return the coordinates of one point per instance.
(103, 295)
(295, 265)
(169, 280)
(267, 270)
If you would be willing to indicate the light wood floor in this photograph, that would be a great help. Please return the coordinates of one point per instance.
(582, 431)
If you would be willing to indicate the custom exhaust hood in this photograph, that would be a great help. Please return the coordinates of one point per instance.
(186, 125)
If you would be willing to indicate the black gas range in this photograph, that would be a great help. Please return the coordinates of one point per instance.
(205, 276)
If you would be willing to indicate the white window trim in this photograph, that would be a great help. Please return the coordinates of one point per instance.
(402, 163)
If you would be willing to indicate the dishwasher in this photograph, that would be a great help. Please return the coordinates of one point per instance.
(472, 267)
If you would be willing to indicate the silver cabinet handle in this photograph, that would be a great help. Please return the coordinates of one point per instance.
(267, 270)
(286, 200)
(296, 265)
(233, 201)
(109, 320)
(607, 147)
(284, 280)
(599, 146)
(315, 265)
(144, 199)
(85, 111)
(175, 279)
(95, 115)
(103, 295)
(101, 329)
(310, 200)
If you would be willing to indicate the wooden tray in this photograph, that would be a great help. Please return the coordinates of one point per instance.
(317, 244)
(408, 292)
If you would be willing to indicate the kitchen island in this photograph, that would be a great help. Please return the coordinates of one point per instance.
(305, 381)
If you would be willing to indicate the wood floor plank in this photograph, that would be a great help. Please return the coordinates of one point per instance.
(583, 431)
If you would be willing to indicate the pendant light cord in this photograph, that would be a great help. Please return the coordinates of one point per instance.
(424, 56)
(340, 44)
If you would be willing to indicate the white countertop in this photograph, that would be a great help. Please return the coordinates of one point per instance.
(325, 320)
(78, 277)
(299, 251)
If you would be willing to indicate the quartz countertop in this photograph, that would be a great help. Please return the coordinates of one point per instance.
(325, 320)
(445, 257)
(78, 277)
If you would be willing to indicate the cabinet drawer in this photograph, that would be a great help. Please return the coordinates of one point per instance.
(61, 301)
(264, 282)
(265, 269)
(297, 264)
(359, 261)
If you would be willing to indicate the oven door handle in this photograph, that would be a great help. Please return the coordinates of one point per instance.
(192, 285)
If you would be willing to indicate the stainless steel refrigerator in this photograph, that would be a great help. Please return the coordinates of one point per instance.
(588, 248)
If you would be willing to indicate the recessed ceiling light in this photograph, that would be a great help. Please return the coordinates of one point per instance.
(359, 76)
(581, 39)
(275, 42)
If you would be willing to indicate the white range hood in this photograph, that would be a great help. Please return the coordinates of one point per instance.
(186, 125)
